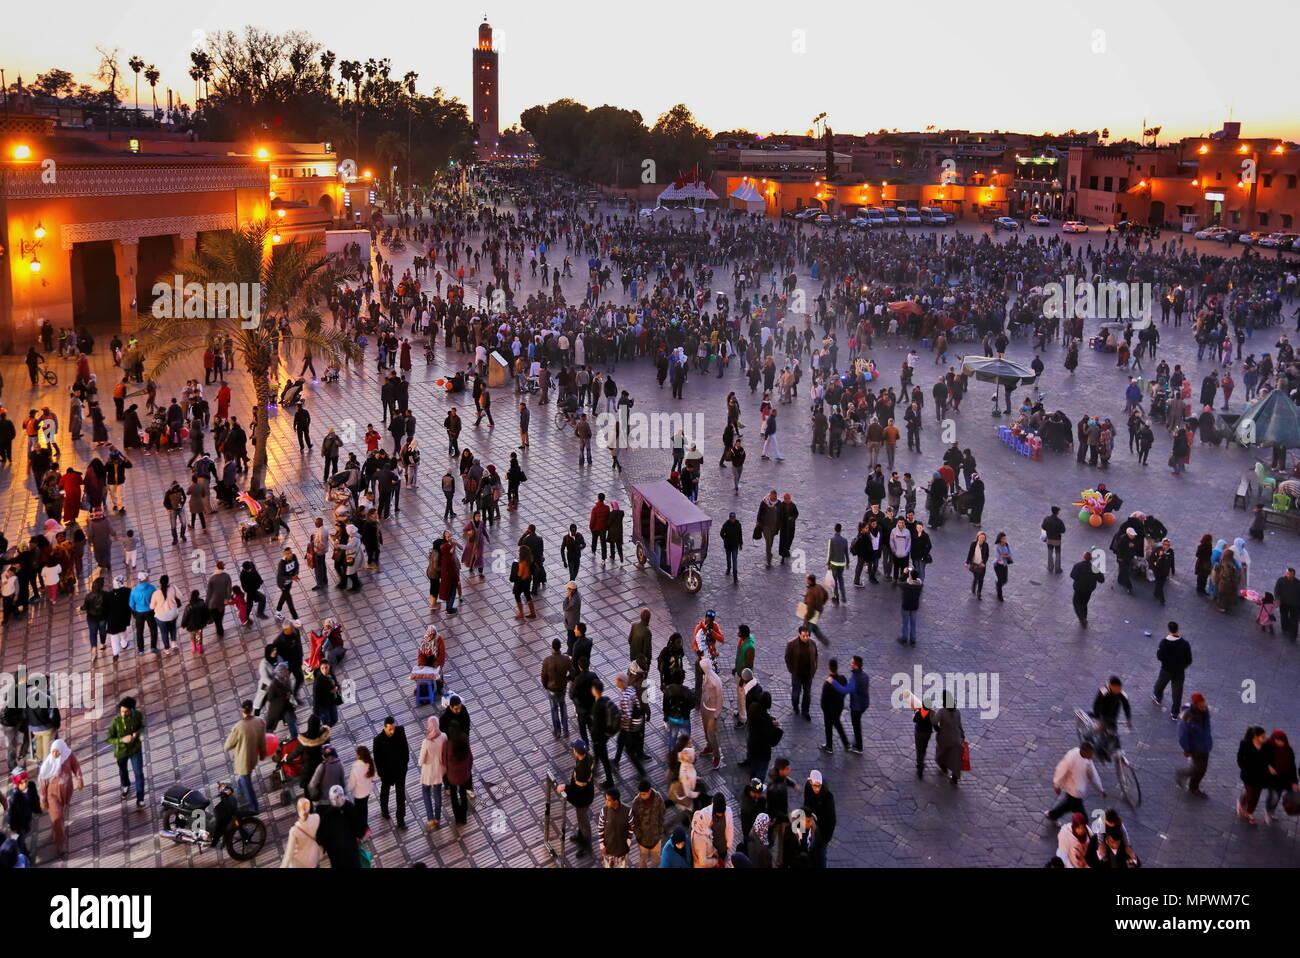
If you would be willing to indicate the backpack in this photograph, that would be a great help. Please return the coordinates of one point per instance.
(611, 723)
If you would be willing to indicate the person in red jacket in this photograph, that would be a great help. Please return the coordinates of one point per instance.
(707, 631)
(599, 526)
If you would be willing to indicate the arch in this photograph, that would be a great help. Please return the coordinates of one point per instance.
(326, 202)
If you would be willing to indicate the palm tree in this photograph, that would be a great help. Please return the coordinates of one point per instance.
(136, 65)
(290, 279)
(390, 151)
(151, 74)
(196, 74)
(350, 71)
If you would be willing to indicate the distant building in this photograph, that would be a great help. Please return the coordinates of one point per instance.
(486, 92)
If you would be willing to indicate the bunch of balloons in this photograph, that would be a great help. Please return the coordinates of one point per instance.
(1092, 509)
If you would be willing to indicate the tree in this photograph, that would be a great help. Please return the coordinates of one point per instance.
(677, 142)
(292, 279)
(109, 74)
(55, 82)
(152, 75)
(136, 64)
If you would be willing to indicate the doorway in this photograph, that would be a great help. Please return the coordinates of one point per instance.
(96, 302)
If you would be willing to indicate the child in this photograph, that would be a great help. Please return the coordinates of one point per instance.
(240, 602)
(1267, 612)
(50, 574)
(1257, 524)
(131, 551)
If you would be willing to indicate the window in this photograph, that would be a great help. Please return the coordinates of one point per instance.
(1236, 217)
(1123, 183)
(1286, 221)
(1218, 175)
(1263, 219)
(1074, 185)
(1290, 181)
(1108, 182)
(1092, 182)
(1268, 179)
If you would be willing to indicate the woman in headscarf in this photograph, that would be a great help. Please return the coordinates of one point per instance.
(302, 849)
(1243, 560)
(1215, 555)
(950, 737)
(279, 700)
(432, 771)
(1204, 564)
(458, 771)
(59, 777)
(448, 576)
(327, 774)
(70, 483)
(1227, 582)
(131, 428)
(758, 847)
(310, 743)
(94, 485)
(476, 541)
(431, 656)
(713, 835)
(335, 832)
(676, 853)
(265, 672)
(1282, 776)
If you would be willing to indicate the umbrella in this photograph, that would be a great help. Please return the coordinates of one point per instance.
(1004, 372)
(1273, 420)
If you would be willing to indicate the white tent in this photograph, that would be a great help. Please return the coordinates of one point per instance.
(745, 197)
(698, 191)
(673, 194)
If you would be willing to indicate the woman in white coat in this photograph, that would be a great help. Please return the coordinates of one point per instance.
(302, 851)
(432, 772)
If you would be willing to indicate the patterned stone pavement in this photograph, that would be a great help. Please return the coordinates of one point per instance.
(1045, 665)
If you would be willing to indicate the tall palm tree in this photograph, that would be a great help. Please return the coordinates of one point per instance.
(350, 71)
(290, 279)
(196, 74)
(136, 65)
(151, 74)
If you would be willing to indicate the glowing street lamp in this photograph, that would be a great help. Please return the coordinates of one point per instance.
(22, 151)
(35, 265)
(263, 153)
(39, 231)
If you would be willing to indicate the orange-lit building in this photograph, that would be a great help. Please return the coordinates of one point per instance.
(787, 193)
(1217, 180)
(87, 228)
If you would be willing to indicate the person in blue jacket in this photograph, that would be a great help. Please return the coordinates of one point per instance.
(1196, 741)
(859, 700)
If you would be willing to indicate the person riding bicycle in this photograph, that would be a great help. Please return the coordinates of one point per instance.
(1106, 707)
(570, 408)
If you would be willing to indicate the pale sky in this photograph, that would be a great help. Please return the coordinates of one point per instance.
(767, 66)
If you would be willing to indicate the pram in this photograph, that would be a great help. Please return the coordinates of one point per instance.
(265, 518)
(291, 393)
(287, 757)
(331, 374)
(325, 646)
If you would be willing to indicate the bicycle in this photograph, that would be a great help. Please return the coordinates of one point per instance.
(1092, 733)
(47, 375)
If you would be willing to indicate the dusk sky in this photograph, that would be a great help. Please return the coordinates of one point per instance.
(1186, 65)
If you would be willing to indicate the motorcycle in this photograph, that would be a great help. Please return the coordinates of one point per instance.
(189, 819)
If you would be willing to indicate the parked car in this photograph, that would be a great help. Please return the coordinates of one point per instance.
(823, 219)
(908, 216)
(808, 213)
(1218, 233)
(1074, 226)
(862, 222)
(1005, 223)
(1279, 240)
(935, 216)
(891, 217)
(1252, 237)
(1038, 219)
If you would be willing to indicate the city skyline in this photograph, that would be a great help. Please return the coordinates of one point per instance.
(772, 67)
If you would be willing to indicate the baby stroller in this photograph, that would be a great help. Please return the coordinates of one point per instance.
(288, 766)
(331, 374)
(292, 393)
(325, 646)
(265, 518)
